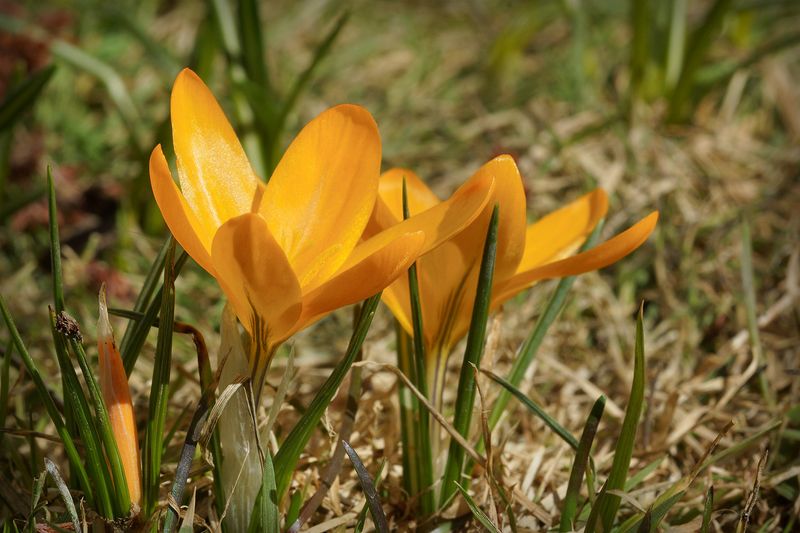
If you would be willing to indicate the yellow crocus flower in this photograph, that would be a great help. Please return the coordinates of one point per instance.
(448, 275)
(288, 252)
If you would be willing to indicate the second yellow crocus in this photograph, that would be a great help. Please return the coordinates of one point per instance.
(288, 252)
(448, 275)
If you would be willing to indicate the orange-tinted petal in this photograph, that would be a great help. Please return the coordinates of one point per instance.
(444, 220)
(373, 265)
(117, 398)
(390, 190)
(257, 278)
(448, 271)
(193, 233)
(321, 194)
(600, 256)
(509, 194)
(215, 175)
(561, 232)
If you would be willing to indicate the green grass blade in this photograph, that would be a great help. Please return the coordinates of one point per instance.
(634, 481)
(120, 492)
(609, 503)
(374, 502)
(531, 345)
(159, 392)
(301, 82)
(151, 315)
(641, 20)
(55, 244)
(362, 515)
(708, 509)
(570, 505)
(63, 490)
(479, 515)
(58, 285)
(409, 406)
(536, 409)
(252, 43)
(676, 43)
(99, 475)
(266, 515)
(76, 462)
(5, 382)
(23, 96)
(150, 285)
(292, 447)
(699, 44)
(476, 339)
(748, 286)
(424, 462)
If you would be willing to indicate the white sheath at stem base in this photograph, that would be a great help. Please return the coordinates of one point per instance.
(241, 468)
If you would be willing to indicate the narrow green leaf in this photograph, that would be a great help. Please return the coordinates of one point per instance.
(63, 490)
(151, 314)
(676, 44)
(36, 492)
(252, 43)
(120, 492)
(476, 339)
(476, 511)
(609, 503)
(748, 286)
(570, 505)
(55, 244)
(641, 20)
(374, 502)
(150, 285)
(63, 327)
(419, 378)
(362, 515)
(634, 481)
(708, 510)
(292, 447)
(5, 374)
(301, 82)
(536, 409)
(159, 392)
(266, 515)
(23, 96)
(69, 444)
(409, 406)
(696, 52)
(531, 345)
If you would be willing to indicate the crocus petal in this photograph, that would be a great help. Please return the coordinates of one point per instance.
(448, 271)
(374, 265)
(561, 232)
(117, 399)
(442, 221)
(257, 278)
(193, 233)
(215, 175)
(390, 190)
(509, 194)
(323, 190)
(600, 256)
